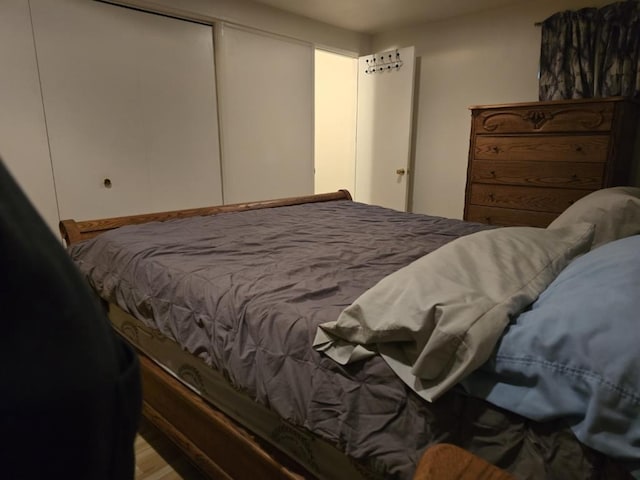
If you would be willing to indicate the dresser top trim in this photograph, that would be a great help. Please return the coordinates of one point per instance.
(555, 102)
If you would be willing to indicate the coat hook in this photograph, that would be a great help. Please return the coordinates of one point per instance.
(381, 62)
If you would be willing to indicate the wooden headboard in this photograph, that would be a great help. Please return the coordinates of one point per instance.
(73, 231)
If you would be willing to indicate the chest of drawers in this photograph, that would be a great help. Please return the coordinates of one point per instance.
(529, 161)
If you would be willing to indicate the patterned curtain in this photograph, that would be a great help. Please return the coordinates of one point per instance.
(591, 53)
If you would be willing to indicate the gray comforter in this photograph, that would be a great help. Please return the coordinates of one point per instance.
(246, 292)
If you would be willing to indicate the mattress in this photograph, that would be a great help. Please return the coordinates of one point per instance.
(245, 292)
(317, 456)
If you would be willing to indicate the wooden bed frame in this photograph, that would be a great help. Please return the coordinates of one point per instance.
(216, 444)
(73, 231)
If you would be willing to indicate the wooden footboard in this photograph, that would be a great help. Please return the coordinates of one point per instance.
(215, 444)
(448, 462)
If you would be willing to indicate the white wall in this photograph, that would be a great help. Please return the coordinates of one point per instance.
(490, 57)
(484, 58)
(261, 17)
(335, 121)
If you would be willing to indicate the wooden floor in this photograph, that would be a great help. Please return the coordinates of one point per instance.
(157, 458)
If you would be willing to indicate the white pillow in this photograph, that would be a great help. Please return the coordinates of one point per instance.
(439, 318)
(614, 211)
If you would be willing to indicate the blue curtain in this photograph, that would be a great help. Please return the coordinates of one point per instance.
(591, 53)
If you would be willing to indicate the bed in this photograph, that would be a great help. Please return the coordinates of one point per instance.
(265, 353)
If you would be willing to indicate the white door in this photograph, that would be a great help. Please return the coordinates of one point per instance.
(385, 101)
(130, 106)
(266, 114)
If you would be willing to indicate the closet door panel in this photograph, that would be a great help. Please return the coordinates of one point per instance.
(23, 136)
(266, 110)
(130, 105)
(181, 116)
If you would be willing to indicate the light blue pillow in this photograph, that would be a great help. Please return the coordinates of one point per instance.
(576, 353)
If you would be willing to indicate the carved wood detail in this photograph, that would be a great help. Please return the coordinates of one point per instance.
(537, 118)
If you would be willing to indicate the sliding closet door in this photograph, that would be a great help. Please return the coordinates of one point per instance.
(266, 115)
(129, 100)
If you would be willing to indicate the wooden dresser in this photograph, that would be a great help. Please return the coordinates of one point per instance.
(529, 161)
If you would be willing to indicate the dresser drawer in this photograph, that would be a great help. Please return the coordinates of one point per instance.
(591, 117)
(508, 217)
(540, 174)
(529, 161)
(565, 148)
(539, 199)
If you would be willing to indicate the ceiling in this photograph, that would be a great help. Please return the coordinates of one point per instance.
(375, 16)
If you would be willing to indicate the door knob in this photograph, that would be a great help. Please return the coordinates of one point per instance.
(400, 171)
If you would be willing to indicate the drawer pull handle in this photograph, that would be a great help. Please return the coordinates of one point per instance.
(574, 177)
(491, 197)
(107, 183)
(493, 173)
(495, 149)
(579, 148)
(488, 220)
